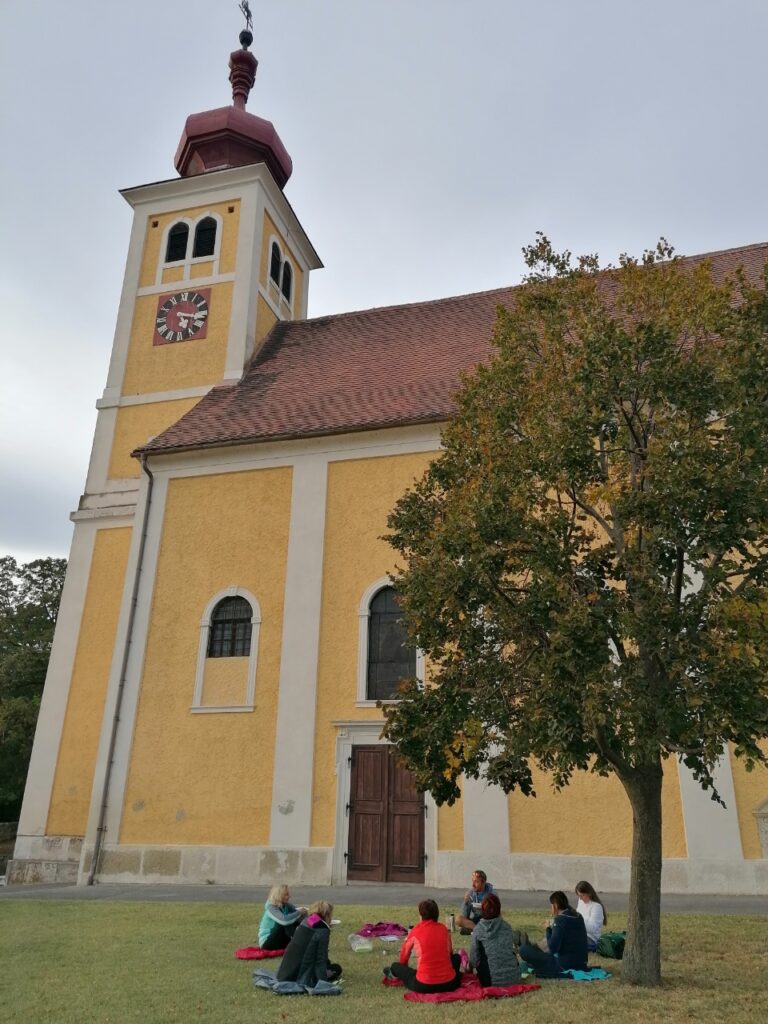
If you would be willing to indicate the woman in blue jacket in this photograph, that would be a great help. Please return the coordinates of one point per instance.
(566, 942)
(280, 919)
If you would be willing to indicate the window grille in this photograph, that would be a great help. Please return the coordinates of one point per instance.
(230, 635)
(390, 657)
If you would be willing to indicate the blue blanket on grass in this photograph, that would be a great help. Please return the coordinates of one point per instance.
(593, 974)
(268, 979)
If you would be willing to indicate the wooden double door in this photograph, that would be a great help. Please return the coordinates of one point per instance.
(386, 819)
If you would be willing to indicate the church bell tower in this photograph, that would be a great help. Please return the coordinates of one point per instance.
(216, 258)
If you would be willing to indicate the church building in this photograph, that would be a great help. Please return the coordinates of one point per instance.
(228, 625)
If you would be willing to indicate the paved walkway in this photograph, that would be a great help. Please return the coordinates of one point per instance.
(362, 893)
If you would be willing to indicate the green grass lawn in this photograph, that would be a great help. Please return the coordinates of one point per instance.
(77, 962)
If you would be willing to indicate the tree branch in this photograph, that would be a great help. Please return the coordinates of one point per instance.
(608, 753)
(675, 748)
(592, 511)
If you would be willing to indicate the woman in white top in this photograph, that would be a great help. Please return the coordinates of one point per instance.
(592, 910)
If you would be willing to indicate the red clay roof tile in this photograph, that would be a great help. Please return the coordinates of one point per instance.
(384, 367)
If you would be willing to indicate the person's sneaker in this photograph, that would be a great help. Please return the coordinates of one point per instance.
(387, 972)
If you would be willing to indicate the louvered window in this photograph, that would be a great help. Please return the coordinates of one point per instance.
(287, 283)
(178, 237)
(205, 237)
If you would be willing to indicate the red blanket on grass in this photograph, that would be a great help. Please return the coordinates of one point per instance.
(256, 953)
(469, 990)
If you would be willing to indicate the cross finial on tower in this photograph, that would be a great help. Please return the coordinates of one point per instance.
(245, 7)
(242, 63)
(246, 36)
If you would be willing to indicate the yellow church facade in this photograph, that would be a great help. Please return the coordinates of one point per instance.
(211, 709)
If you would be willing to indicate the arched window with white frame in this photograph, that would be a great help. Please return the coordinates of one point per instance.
(384, 654)
(177, 242)
(281, 278)
(187, 241)
(275, 263)
(227, 652)
(205, 238)
(230, 632)
(286, 282)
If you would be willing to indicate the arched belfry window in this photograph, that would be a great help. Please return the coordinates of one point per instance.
(275, 263)
(286, 285)
(178, 238)
(280, 283)
(205, 238)
(230, 634)
(390, 656)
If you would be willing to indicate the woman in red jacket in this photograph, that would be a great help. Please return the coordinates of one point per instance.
(437, 966)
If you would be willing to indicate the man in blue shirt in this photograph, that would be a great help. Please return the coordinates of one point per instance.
(471, 910)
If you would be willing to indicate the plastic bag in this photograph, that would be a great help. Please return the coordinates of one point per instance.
(359, 944)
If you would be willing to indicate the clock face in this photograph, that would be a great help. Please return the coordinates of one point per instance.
(182, 316)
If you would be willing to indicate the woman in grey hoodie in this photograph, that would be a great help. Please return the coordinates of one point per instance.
(492, 954)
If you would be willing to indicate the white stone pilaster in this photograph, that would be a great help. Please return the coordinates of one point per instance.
(295, 733)
(245, 292)
(486, 818)
(711, 831)
(50, 722)
(130, 695)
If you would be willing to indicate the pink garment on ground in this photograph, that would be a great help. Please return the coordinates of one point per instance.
(256, 953)
(375, 931)
(469, 991)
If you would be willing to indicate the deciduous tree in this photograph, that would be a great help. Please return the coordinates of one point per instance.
(29, 601)
(587, 559)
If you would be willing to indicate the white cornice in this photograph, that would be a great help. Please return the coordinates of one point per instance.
(386, 441)
(186, 282)
(111, 401)
(124, 513)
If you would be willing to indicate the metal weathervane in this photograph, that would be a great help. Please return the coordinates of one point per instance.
(245, 7)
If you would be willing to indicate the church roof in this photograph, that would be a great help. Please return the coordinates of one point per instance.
(383, 367)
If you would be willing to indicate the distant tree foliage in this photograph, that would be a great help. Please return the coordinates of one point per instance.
(29, 603)
(587, 559)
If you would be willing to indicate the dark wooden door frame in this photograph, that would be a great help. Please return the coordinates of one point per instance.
(386, 831)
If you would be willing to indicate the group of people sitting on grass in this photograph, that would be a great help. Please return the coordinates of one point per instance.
(496, 949)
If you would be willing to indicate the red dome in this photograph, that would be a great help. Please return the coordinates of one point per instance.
(229, 136)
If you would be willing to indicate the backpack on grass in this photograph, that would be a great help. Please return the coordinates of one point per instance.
(611, 945)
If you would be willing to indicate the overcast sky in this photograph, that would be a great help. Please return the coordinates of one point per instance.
(430, 140)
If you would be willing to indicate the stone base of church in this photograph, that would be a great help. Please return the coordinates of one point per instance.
(66, 860)
(542, 872)
(214, 865)
(52, 860)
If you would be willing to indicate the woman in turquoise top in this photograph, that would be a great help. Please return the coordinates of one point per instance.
(280, 919)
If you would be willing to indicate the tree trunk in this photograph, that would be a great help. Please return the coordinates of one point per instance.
(642, 953)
